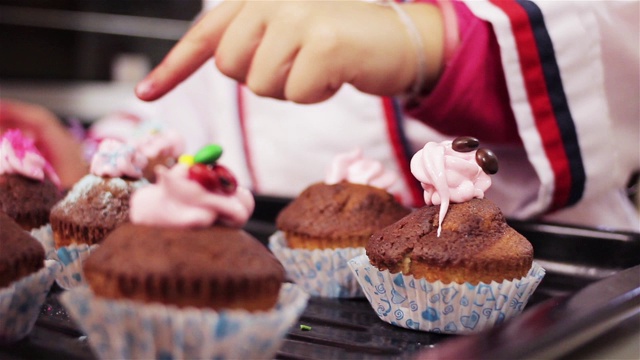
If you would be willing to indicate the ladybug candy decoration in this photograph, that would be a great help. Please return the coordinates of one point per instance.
(204, 170)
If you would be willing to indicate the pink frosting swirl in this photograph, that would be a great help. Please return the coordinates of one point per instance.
(448, 176)
(18, 155)
(353, 167)
(114, 158)
(177, 201)
(162, 143)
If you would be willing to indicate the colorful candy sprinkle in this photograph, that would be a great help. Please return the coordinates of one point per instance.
(208, 154)
(186, 160)
(305, 327)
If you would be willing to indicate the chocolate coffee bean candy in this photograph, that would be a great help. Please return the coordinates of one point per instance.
(465, 144)
(487, 160)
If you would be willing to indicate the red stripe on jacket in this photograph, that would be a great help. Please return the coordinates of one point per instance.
(536, 88)
(392, 120)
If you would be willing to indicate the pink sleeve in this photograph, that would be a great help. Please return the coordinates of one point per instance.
(471, 96)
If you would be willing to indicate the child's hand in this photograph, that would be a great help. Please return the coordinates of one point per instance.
(50, 136)
(303, 51)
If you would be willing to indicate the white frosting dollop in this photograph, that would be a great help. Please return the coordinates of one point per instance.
(448, 176)
(177, 201)
(353, 167)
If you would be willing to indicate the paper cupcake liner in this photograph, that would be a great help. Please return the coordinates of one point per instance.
(443, 308)
(21, 301)
(70, 258)
(124, 329)
(322, 272)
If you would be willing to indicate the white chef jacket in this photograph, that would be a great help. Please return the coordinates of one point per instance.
(278, 148)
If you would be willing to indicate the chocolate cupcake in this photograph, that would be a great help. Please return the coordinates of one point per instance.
(21, 254)
(453, 268)
(29, 187)
(24, 280)
(330, 222)
(339, 215)
(99, 202)
(198, 268)
(182, 279)
(475, 245)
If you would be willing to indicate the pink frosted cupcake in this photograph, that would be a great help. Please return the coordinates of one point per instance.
(96, 205)
(330, 222)
(455, 265)
(99, 202)
(182, 279)
(29, 187)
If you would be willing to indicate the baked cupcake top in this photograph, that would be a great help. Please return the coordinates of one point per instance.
(474, 235)
(18, 155)
(353, 201)
(20, 253)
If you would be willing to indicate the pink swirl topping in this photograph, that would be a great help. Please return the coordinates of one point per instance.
(175, 200)
(448, 176)
(117, 159)
(353, 167)
(162, 143)
(18, 155)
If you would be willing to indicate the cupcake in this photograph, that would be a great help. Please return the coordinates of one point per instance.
(182, 279)
(24, 280)
(95, 206)
(99, 202)
(330, 222)
(455, 265)
(29, 187)
(160, 147)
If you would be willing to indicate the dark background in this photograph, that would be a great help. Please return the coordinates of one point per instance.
(77, 40)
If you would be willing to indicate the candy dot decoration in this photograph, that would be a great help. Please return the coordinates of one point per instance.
(208, 154)
(186, 160)
(192, 194)
(204, 170)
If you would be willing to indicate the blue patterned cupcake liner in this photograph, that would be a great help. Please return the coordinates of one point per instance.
(69, 257)
(124, 329)
(443, 308)
(321, 272)
(21, 301)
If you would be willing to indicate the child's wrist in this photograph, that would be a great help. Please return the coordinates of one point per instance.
(427, 21)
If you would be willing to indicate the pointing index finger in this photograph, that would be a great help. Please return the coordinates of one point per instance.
(197, 46)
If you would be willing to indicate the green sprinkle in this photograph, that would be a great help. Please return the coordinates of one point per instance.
(305, 327)
(208, 154)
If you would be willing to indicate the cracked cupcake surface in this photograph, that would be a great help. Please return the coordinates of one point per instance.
(476, 245)
(338, 216)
